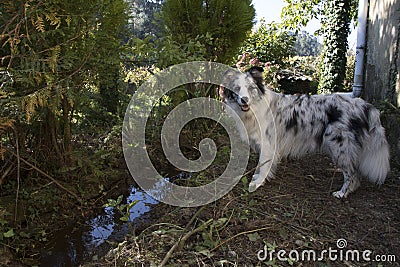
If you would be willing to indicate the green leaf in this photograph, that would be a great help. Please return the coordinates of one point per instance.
(245, 181)
(9, 234)
(124, 218)
(119, 200)
(111, 203)
(220, 222)
(208, 240)
(206, 253)
(253, 237)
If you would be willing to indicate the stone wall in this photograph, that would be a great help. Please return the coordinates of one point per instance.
(382, 52)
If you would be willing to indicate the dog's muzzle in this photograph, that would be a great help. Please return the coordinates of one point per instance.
(244, 103)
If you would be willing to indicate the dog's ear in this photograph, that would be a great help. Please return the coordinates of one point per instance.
(257, 74)
(229, 75)
(227, 78)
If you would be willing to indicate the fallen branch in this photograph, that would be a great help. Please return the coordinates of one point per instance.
(182, 240)
(195, 216)
(47, 176)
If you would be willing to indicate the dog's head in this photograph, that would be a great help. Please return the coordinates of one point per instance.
(241, 89)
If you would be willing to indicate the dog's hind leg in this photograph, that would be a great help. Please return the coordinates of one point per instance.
(344, 151)
(350, 184)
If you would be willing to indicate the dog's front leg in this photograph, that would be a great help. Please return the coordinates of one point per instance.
(263, 168)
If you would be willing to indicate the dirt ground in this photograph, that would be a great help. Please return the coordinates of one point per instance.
(294, 213)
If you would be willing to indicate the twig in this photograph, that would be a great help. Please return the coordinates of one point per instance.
(297, 227)
(181, 241)
(240, 234)
(195, 216)
(48, 176)
(6, 172)
(258, 166)
(18, 175)
(331, 185)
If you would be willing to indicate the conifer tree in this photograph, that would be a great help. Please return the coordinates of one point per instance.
(220, 25)
(54, 52)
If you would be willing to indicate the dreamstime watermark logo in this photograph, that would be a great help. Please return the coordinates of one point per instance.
(134, 127)
(340, 253)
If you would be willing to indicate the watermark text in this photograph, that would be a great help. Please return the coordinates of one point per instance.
(339, 253)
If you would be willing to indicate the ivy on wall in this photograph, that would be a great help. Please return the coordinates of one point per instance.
(336, 30)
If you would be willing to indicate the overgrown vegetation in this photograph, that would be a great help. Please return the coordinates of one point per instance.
(56, 54)
(336, 30)
(268, 43)
(68, 70)
(60, 85)
(335, 17)
(219, 26)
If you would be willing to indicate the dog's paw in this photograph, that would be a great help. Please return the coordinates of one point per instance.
(339, 194)
(253, 187)
(255, 183)
(255, 177)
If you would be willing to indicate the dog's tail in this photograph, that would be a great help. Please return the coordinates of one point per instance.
(374, 160)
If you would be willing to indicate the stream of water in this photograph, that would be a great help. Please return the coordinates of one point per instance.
(90, 240)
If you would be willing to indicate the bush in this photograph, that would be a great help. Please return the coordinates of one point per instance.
(294, 75)
(269, 44)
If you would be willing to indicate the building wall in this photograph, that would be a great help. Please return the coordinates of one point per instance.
(382, 79)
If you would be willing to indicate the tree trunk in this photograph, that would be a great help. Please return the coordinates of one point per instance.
(51, 140)
(66, 122)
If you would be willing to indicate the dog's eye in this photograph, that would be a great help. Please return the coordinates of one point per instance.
(230, 93)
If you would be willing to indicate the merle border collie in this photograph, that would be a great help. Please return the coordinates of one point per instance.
(347, 129)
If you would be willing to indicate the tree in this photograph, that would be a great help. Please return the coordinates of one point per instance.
(54, 51)
(142, 18)
(307, 45)
(297, 13)
(268, 43)
(336, 16)
(216, 27)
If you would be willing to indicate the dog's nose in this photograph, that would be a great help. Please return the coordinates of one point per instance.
(244, 100)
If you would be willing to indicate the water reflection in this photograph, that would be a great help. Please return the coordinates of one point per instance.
(76, 244)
